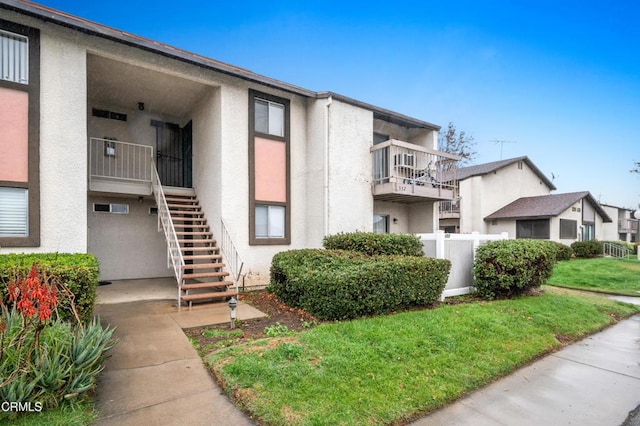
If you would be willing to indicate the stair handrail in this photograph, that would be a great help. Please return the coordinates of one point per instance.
(615, 250)
(174, 252)
(233, 260)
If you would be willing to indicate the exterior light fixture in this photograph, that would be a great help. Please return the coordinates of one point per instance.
(233, 303)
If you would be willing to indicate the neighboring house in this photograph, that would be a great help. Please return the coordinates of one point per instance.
(485, 188)
(565, 218)
(623, 226)
(92, 116)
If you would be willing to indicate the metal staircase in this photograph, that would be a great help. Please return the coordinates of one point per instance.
(191, 250)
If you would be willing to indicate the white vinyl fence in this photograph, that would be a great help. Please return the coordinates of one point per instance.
(460, 249)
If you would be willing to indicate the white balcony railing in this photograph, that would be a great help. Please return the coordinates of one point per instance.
(120, 161)
(414, 170)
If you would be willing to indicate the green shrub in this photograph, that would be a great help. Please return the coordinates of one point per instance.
(591, 248)
(511, 267)
(338, 284)
(77, 272)
(46, 364)
(562, 251)
(375, 244)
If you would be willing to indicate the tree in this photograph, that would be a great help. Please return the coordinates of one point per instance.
(457, 143)
(636, 167)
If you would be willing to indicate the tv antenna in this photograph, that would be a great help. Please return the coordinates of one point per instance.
(501, 142)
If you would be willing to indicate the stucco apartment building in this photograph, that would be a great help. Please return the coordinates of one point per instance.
(624, 225)
(514, 196)
(92, 117)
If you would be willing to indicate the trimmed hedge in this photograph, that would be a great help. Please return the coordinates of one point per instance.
(78, 272)
(375, 244)
(339, 284)
(563, 252)
(511, 267)
(591, 248)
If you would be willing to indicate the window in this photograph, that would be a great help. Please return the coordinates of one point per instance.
(568, 229)
(269, 117)
(111, 208)
(270, 221)
(269, 169)
(588, 231)
(380, 224)
(536, 229)
(14, 212)
(19, 142)
(14, 60)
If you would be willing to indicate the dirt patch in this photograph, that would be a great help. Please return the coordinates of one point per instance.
(280, 319)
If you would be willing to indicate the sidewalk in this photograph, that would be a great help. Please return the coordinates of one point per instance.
(593, 382)
(154, 376)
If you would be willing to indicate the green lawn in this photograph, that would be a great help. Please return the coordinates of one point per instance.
(607, 275)
(393, 368)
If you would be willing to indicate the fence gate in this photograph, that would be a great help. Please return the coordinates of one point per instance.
(460, 249)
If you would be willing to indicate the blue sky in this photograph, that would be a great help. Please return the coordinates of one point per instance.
(559, 80)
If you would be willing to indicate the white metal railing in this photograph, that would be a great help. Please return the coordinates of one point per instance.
(118, 160)
(174, 252)
(402, 162)
(233, 260)
(449, 207)
(615, 250)
(628, 225)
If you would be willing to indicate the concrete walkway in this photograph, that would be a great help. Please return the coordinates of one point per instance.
(154, 376)
(593, 382)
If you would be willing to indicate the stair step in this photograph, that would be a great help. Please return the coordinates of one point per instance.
(213, 295)
(187, 226)
(178, 192)
(204, 275)
(202, 257)
(189, 219)
(215, 284)
(197, 241)
(209, 248)
(195, 233)
(186, 199)
(184, 206)
(186, 212)
(202, 265)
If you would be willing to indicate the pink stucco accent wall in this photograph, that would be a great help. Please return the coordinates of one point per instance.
(271, 169)
(14, 123)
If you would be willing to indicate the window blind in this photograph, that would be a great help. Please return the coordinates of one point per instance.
(14, 57)
(14, 212)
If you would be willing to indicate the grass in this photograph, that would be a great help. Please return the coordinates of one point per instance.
(605, 275)
(79, 413)
(391, 369)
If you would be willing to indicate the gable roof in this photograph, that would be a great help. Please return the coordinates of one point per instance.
(85, 26)
(545, 206)
(486, 168)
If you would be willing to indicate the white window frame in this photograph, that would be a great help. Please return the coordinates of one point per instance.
(272, 228)
(9, 70)
(114, 208)
(14, 212)
(274, 126)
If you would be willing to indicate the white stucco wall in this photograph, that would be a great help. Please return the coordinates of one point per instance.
(350, 168)
(483, 195)
(63, 148)
(128, 246)
(610, 230)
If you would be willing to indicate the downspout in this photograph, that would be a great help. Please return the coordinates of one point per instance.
(326, 165)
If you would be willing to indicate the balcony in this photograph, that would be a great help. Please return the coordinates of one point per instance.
(120, 167)
(449, 209)
(628, 226)
(409, 173)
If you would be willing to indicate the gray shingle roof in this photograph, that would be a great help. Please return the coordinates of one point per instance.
(545, 206)
(483, 169)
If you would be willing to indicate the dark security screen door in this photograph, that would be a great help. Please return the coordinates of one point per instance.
(173, 152)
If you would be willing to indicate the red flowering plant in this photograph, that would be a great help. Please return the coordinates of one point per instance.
(32, 296)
